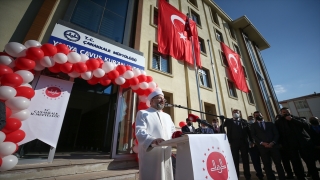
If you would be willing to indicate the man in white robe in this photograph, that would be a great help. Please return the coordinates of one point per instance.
(153, 126)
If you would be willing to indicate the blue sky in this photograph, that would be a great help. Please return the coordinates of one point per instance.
(292, 28)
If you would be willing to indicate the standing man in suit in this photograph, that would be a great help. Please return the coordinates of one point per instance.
(188, 129)
(266, 137)
(239, 136)
(204, 128)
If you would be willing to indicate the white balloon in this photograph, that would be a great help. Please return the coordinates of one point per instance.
(2, 136)
(143, 98)
(6, 60)
(86, 75)
(26, 85)
(135, 149)
(38, 66)
(84, 57)
(136, 72)
(135, 87)
(99, 72)
(143, 72)
(120, 80)
(144, 85)
(27, 76)
(18, 103)
(32, 43)
(108, 66)
(152, 85)
(8, 162)
(47, 61)
(21, 115)
(60, 58)
(74, 74)
(7, 92)
(74, 57)
(15, 49)
(128, 74)
(7, 148)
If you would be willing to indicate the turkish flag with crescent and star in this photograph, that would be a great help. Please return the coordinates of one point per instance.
(174, 30)
(236, 69)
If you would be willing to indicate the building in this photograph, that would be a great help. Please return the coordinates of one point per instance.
(93, 120)
(304, 106)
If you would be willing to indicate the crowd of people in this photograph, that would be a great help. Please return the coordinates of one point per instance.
(284, 143)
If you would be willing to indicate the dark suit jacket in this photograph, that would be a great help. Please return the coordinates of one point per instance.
(234, 138)
(185, 129)
(205, 130)
(269, 134)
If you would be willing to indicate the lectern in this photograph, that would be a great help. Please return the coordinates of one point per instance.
(203, 156)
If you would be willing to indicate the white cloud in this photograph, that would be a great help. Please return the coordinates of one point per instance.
(279, 89)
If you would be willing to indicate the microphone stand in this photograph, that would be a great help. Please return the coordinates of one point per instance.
(199, 120)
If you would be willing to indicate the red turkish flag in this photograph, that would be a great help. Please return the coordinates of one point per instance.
(174, 32)
(236, 69)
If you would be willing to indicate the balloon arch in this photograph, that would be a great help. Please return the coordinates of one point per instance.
(17, 67)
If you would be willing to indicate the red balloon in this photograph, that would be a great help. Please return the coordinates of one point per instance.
(34, 53)
(93, 80)
(5, 70)
(137, 158)
(55, 68)
(142, 105)
(11, 79)
(128, 67)
(8, 112)
(148, 91)
(12, 124)
(121, 69)
(126, 84)
(105, 81)
(49, 49)
(182, 123)
(140, 92)
(134, 81)
(101, 62)
(62, 48)
(149, 79)
(176, 134)
(24, 63)
(80, 67)
(92, 64)
(15, 136)
(24, 91)
(66, 67)
(113, 74)
(142, 78)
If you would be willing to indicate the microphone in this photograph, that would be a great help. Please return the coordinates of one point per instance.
(168, 105)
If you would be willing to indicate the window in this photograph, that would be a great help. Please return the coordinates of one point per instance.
(204, 78)
(233, 35)
(244, 71)
(107, 18)
(301, 104)
(155, 16)
(214, 16)
(250, 97)
(202, 45)
(193, 2)
(232, 89)
(219, 36)
(159, 61)
(195, 17)
(224, 59)
(236, 49)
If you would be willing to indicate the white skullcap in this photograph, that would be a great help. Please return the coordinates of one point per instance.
(153, 94)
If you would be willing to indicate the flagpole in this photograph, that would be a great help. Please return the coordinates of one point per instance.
(196, 73)
(214, 77)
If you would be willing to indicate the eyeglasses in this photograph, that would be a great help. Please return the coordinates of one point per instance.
(160, 99)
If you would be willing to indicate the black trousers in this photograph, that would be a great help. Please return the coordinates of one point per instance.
(307, 155)
(285, 158)
(266, 155)
(255, 158)
(243, 148)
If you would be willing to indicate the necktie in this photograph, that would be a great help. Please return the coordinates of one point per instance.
(261, 125)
